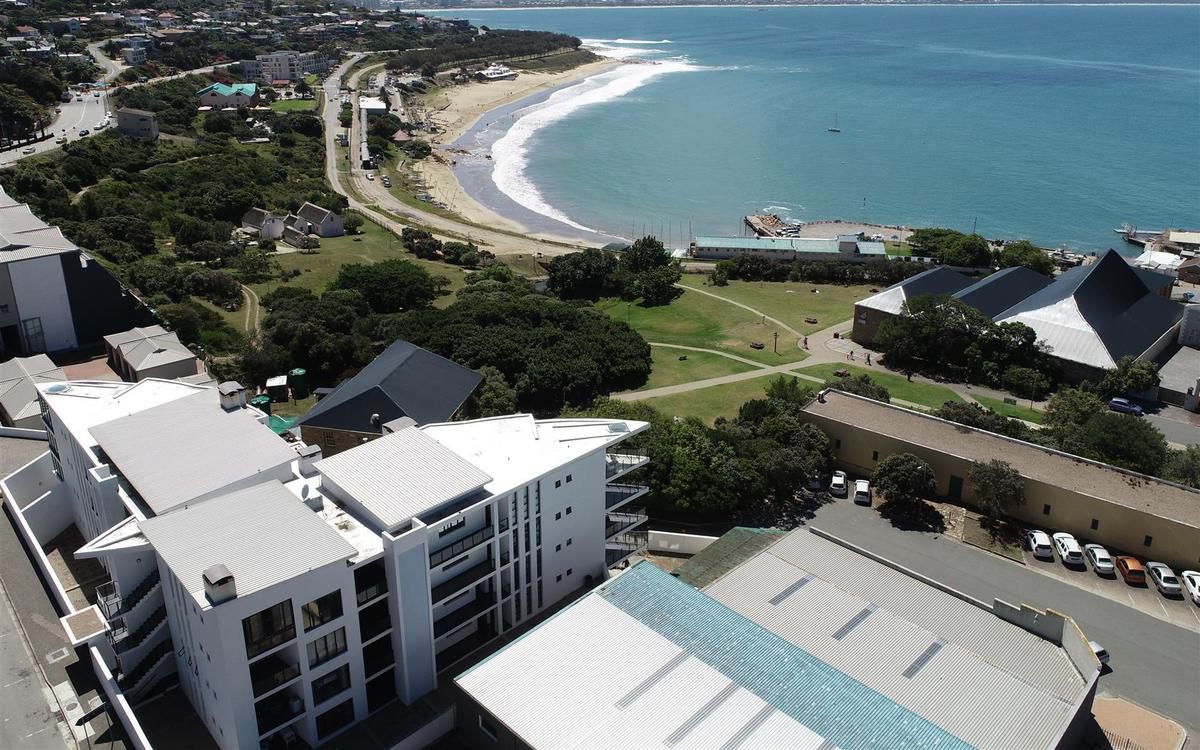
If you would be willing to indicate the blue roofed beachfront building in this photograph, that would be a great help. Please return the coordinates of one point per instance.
(808, 644)
(221, 95)
(844, 247)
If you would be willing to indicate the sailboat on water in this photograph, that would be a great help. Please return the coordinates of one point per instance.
(835, 128)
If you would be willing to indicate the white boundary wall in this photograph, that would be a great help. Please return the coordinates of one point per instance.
(678, 544)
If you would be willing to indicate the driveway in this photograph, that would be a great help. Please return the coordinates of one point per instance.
(1153, 662)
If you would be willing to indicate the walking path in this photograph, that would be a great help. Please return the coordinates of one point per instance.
(760, 313)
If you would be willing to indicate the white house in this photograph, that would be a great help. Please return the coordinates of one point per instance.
(263, 223)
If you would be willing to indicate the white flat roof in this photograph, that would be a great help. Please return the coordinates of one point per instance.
(82, 404)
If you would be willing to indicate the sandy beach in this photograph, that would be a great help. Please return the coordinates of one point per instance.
(458, 108)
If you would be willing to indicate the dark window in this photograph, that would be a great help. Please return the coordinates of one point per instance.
(569, 478)
(486, 727)
(837, 443)
(1046, 509)
(320, 611)
(269, 628)
(558, 548)
(570, 571)
(568, 510)
(459, 561)
(569, 540)
(558, 483)
(326, 647)
(330, 440)
(1147, 541)
(874, 455)
(1095, 523)
(335, 718)
(558, 516)
(328, 685)
(377, 655)
(452, 527)
(381, 691)
(558, 577)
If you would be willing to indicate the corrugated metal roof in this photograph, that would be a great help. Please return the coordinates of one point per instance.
(1003, 289)
(189, 448)
(24, 236)
(732, 549)
(401, 475)
(18, 384)
(770, 244)
(937, 280)
(263, 534)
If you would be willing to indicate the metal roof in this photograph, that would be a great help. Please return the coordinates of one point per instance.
(24, 236)
(1003, 289)
(937, 280)
(18, 384)
(148, 347)
(263, 534)
(190, 448)
(401, 475)
(732, 549)
(983, 679)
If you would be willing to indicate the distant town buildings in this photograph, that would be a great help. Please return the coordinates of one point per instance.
(221, 95)
(137, 123)
(284, 66)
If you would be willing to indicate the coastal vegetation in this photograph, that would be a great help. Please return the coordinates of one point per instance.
(467, 46)
(928, 395)
(953, 248)
(879, 272)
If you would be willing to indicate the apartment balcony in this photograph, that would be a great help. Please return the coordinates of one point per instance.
(270, 673)
(266, 643)
(374, 621)
(620, 463)
(624, 546)
(482, 603)
(616, 495)
(623, 521)
(453, 654)
(370, 582)
(114, 605)
(468, 577)
(465, 544)
(277, 710)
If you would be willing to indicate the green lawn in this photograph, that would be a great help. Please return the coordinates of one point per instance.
(371, 246)
(668, 369)
(891, 247)
(926, 394)
(715, 401)
(294, 105)
(790, 301)
(697, 320)
(1014, 411)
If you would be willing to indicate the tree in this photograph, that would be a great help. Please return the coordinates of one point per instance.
(1068, 410)
(1126, 441)
(183, 320)
(302, 88)
(388, 286)
(584, 275)
(904, 482)
(352, 223)
(974, 415)
(860, 385)
(656, 286)
(999, 487)
(1026, 382)
(968, 250)
(1027, 254)
(494, 397)
(1130, 376)
(1183, 466)
(645, 254)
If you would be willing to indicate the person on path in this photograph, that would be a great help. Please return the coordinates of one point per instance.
(806, 342)
(851, 355)
(868, 358)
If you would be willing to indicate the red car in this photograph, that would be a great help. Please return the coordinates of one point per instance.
(1131, 570)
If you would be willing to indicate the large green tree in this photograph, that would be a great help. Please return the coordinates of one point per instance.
(388, 286)
(1130, 376)
(584, 275)
(1027, 254)
(999, 487)
(904, 481)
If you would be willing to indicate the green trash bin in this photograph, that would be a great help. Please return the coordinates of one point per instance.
(298, 381)
(262, 403)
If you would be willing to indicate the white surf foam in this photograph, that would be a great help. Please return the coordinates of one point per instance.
(510, 153)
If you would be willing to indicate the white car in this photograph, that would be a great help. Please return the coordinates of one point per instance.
(100, 125)
(1068, 549)
(837, 485)
(862, 492)
(28, 150)
(1039, 544)
(1164, 579)
(371, 176)
(1101, 561)
(1191, 582)
(1100, 652)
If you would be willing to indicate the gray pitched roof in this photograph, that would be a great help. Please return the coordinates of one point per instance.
(152, 346)
(24, 236)
(18, 384)
(403, 381)
(313, 213)
(401, 475)
(255, 217)
(191, 448)
(939, 280)
(1002, 290)
(263, 535)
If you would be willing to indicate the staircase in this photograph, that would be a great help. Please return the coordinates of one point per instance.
(131, 681)
(128, 603)
(140, 635)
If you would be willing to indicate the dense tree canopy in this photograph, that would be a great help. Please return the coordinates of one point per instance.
(904, 482)
(644, 271)
(1129, 377)
(999, 487)
(388, 286)
(1027, 254)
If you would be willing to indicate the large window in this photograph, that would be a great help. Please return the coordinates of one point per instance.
(269, 628)
(328, 685)
(335, 719)
(326, 647)
(320, 611)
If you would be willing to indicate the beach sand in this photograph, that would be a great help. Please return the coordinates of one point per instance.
(457, 109)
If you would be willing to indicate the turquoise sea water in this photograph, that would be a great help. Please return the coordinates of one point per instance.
(1056, 123)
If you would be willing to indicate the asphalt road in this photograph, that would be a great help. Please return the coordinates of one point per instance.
(75, 115)
(1153, 663)
(1176, 430)
(28, 721)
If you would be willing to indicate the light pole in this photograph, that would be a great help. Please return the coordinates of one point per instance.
(777, 342)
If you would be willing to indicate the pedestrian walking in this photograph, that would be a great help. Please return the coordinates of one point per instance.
(806, 342)
(851, 355)
(868, 358)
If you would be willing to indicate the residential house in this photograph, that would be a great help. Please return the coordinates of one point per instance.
(311, 219)
(403, 381)
(264, 224)
(134, 55)
(137, 123)
(222, 95)
(149, 352)
(19, 379)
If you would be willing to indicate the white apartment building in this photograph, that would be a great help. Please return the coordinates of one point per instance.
(285, 65)
(292, 596)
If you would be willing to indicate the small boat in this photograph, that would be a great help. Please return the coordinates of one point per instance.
(835, 128)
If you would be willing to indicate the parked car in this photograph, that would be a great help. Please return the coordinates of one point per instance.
(371, 176)
(28, 150)
(862, 492)
(1068, 549)
(1039, 544)
(1101, 561)
(61, 141)
(1164, 579)
(814, 482)
(83, 131)
(1131, 570)
(1100, 652)
(1125, 406)
(1191, 582)
(837, 484)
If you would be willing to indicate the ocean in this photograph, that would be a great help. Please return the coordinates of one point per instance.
(1052, 123)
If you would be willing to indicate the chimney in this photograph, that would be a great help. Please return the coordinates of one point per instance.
(309, 454)
(233, 395)
(219, 585)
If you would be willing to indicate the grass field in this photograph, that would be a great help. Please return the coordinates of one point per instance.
(294, 105)
(892, 247)
(667, 369)
(926, 394)
(790, 301)
(696, 320)
(1014, 411)
(716, 401)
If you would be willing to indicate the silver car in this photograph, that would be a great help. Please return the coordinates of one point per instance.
(1101, 561)
(1164, 579)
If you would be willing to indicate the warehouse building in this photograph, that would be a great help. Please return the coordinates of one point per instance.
(846, 247)
(808, 644)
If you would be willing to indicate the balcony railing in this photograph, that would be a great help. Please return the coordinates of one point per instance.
(372, 591)
(268, 642)
(616, 495)
(504, 524)
(462, 580)
(624, 545)
(129, 681)
(625, 461)
(114, 605)
(139, 636)
(440, 556)
(624, 520)
(270, 673)
(277, 710)
(459, 616)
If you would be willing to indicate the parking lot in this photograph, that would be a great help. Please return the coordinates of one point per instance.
(1146, 599)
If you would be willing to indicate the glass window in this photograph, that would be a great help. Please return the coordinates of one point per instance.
(326, 647)
(452, 527)
(328, 685)
(320, 611)
(335, 718)
(269, 628)
(488, 728)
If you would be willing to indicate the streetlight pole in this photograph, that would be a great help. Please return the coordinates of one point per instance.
(777, 342)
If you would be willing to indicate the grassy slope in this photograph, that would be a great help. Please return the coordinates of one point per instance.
(1010, 410)
(790, 301)
(294, 105)
(667, 368)
(926, 394)
(715, 401)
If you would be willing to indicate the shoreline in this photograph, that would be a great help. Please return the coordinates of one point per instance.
(465, 107)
